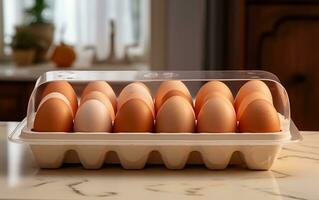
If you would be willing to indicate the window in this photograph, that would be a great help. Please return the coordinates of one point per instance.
(87, 23)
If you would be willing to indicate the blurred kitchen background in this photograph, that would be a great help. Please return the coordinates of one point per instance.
(280, 36)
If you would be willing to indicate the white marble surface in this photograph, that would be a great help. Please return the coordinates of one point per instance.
(295, 175)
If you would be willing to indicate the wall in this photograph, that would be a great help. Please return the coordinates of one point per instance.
(185, 34)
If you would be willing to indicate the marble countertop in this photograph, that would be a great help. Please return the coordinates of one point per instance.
(295, 175)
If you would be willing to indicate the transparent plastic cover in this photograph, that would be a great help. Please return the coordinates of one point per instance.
(192, 79)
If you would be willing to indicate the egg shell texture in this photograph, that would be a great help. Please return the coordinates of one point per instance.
(250, 87)
(56, 95)
(102, 98)
(217, 116)
(212, 87)
(250, 98)
(93, 116)
(167, 86)
(136, 90)
(259, 116)
(172, 93)
(101, 86)
(54, 115)
(134, 116)
(175, 115)
(64, 88)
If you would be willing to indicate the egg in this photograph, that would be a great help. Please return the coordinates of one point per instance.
(64, 88)
(101, 86)
(136, 90)
(102, 98)
(54, 115)
(134, 116)
(168, 86)
(149, 91)
(217, 115)
(176, 93)
(250, 87)
(175, 115)
(56, 95)
(92, 116)
(250, 98)
(258, 117)
(211, 87)
(216, 94)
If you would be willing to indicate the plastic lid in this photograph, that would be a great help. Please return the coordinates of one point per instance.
(193, 80)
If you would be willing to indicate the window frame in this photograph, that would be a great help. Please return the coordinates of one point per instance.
(2, 45)
(155, 49)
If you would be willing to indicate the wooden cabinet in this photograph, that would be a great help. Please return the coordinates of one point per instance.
(14, 98)
(282, 37)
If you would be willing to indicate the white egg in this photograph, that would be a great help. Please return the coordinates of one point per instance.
(93, 116)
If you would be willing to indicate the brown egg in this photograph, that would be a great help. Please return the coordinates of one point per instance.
(259, 117)
(176, 93)
(102, 98)
(92, 116)
(54, 115)
(250, 87)
(250, 98)
(175, 115)
(136, 90)
(217, 116)
(168, 86)
(210, 87)
(217, 94)
(56, 95)
(101, 86)
(149, 91)
(64, 88)
(134, 116)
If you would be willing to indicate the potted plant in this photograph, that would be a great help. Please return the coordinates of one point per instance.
(23, 48)
(40, 27)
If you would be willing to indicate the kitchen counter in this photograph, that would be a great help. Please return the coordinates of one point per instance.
(295, 175)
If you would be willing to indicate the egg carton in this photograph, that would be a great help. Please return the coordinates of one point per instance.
(256, 151)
